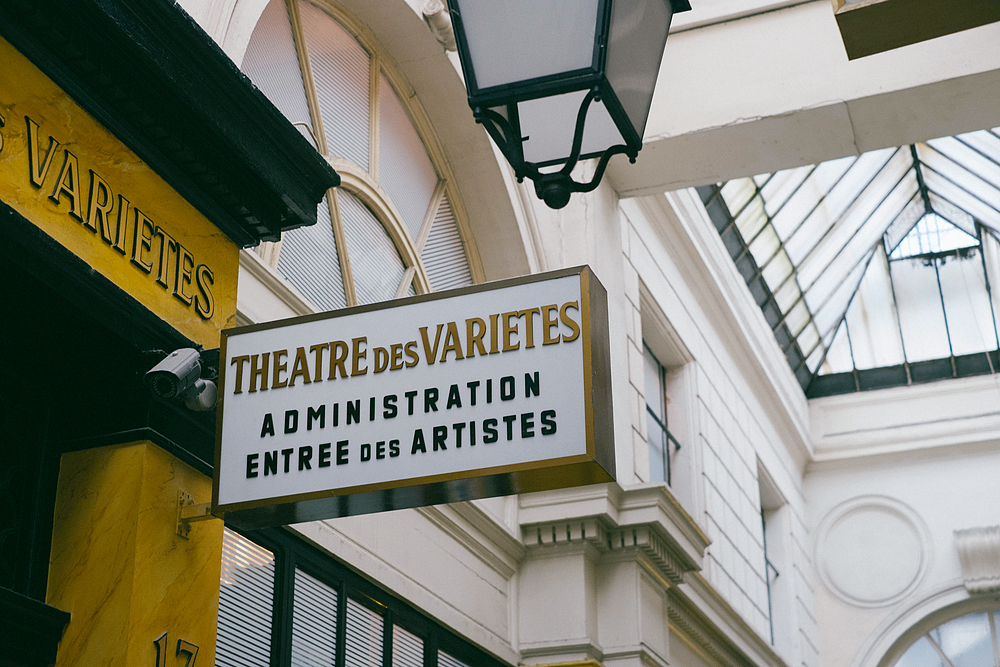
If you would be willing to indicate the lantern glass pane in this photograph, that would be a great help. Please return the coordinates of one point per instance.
(549, 123)
(635, 48)
(517, 40)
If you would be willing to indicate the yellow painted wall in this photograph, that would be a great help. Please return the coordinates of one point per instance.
(118, 565)
(66, 201)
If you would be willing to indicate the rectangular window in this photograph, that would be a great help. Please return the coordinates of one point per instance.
(286, 603)
(662, 445)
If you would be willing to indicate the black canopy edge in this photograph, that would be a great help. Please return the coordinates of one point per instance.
(149, 73)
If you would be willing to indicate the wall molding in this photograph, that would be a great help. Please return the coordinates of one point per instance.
(979, 554)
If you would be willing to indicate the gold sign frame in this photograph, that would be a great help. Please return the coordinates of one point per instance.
(597, 465)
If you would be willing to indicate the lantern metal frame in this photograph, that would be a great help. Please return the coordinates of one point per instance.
(554, 187)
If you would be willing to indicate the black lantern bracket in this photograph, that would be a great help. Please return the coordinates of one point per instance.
(555, 187)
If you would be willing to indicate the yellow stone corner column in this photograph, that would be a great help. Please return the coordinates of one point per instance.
(119, 567)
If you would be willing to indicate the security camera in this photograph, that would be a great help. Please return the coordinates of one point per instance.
(179, 377)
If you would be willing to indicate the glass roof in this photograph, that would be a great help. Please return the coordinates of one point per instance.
(874, 271)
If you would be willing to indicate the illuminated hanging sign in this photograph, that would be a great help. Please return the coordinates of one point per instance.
(491, 390)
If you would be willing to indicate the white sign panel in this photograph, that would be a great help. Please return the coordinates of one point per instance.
(484, 391)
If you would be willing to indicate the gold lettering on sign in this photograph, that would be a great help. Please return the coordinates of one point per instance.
(93, 202)
(515, 330)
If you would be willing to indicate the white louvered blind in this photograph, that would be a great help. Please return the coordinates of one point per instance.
(314, 623)
(445, 660)
(309, 261)
(375, 262)
(407, 648)
(272, 64)
(405, 171)
(364, 636)
(341, 72)
(444, 254)
(246, 599)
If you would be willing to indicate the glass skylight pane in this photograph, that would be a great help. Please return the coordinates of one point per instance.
(787, 294)
(977, 185)
(905, 221)
(782, 186)
(991, 251)
(967, 304)
(963, 153)
(737, 193)
(797, 318)
(808, 339)
(962, 199)
(816, 187)
(779, 269)
(985, 142)
(872, 319)
(813, 361)
(852, 184)
(842, 250)
(822, 250)
(752, 219)
(920, 314)
(829, 310)
(765, 247)
(953, 214)
(932, 234)
(838, 359)
(965, 640)
(921, 654)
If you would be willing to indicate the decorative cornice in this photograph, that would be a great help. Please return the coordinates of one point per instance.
(700, 635)
(147, 72)
(644, 540)
(643, 520)
(979, 553)
(720, 627)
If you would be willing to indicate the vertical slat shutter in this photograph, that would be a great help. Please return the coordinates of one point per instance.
(246, 599)
(375, 263)
(405, 171)
(364, 636)
(309, 261)
(444, 254)
(314, 623)
(273, 66)
(341, 72)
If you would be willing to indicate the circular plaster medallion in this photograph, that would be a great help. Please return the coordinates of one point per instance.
(872, 551)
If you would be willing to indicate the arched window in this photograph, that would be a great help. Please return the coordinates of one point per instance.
(966, 641)
(395, 227)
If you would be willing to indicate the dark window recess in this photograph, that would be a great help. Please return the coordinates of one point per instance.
(284, 602)
(662, 444)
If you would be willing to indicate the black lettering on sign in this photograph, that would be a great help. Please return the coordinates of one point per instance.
(267, 428)
(291, 421)
(252, 465)
(342, 452)
(316, 414)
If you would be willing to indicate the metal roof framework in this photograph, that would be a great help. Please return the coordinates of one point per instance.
(874, 270)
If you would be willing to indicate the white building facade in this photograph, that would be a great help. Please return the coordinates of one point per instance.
(750, 525)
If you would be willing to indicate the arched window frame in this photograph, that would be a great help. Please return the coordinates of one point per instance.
(364, 183)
